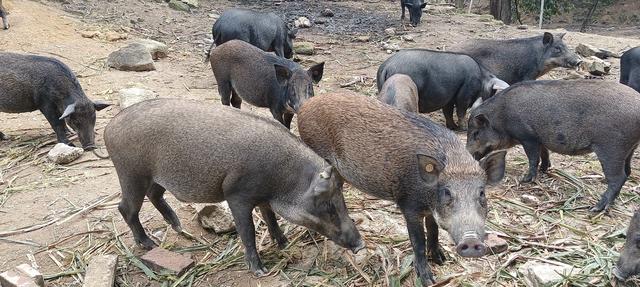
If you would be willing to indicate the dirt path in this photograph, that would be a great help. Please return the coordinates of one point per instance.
(34, 192)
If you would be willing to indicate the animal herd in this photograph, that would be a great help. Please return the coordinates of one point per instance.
(382, 146)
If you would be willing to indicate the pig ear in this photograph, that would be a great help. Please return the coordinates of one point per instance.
(547, 39)
(498, 84)
(282, 74)
(494, 166)
(323, 186)
(68, 111)
(429, 168)
(423, 5)
(100, 105)
(316, 72)
(481, 120)
(477, 103)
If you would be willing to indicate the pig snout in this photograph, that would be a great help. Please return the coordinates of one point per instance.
(360, 245)
(471, 245)
(619, 274)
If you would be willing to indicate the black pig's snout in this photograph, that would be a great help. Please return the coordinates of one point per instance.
(471, 246)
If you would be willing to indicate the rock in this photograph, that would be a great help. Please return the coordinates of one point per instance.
(440, 9)
(132, 96)
(390, 31)
(216, 216)
(156, 49)
(22, 276)
(530, 199)
(523, 27)
(192, 3)
(179, 5)
(101, 271)
(327, 13)
(408, 38)
(390, 47)
(595, 66)
(304, 48)
(161, 259)
(213, 15)
(485, 18)
(302, 22)
(362, 39)
(90, 34)
(112, 36)
(319, 21)
(538, 274)
(495, 244)
(63, 154)
(134, 57)
(587, 50)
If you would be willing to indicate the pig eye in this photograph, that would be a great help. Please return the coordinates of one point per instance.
(474, 135)
(445, 195)
(482, 195)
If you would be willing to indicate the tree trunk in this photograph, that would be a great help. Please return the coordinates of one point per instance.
(501, 10)
(459, 4)
(587, 20)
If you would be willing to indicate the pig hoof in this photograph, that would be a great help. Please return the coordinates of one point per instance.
(282, 243)
(261, 272)
(437, 256)
(177, 228)
(147, 244)
(527, 178)
(601, 206)
(427, 280)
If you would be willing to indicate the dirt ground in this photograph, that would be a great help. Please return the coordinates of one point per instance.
(57, 217)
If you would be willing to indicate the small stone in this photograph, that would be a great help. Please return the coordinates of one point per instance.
(191, 3)
(161, 259)
(213, 15)
(134, 57)
(156, 49)
(408, 38)
(101, 271)
(595, 66)
(304, 48)
(538, 274)
(63, 154)
(495, 244)
(179, 5)
(523, 27)
(439, 9)
(327, 13)
(390, 47)
(363, 39)
(22, 276)
(112, 36)
(132, 96)
(530, 199)
(319, 21)
(390, 31)
(216, 216)
(485, 18)
(302, 22)
(90, 34)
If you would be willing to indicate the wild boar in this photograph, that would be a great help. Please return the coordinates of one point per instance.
(629, 263)
(401, 156)
(630, 68)
(415, 10)
(567, 117)
(32, 83)
(244, 72)
(211, 154)
(401, 92)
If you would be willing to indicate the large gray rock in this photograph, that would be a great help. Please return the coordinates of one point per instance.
(179, 5)
(595, 66)
(587, 50)
(215, 216)
(62, 153)
(156, 49)
(134, 57)
(302, 22)
(132, 96)
(537, 274)
(192, 3)
(304, 48)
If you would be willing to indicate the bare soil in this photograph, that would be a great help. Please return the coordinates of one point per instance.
(75, 204)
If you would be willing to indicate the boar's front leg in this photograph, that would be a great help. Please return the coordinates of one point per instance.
(156, 196)
(433, 245)
(544, 159)
(613, 166)
(243, 219)
(272, 225)
(59, 126)
(414, 217)
(532, 149)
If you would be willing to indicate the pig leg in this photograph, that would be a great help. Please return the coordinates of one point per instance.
(433, 246)
(627, 162)
(224, 89)
(287, 117)
(448, 116)
(242, 216)
(236, 101)
(532, 149)
(613, 166)
(133, 192)
(402, 6)
(461, 113)
(156, 196)
(272, 225)
(3, 137)
(59, 126)
(414, 218)
(544, 159)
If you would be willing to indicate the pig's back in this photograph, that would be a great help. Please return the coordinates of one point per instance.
(372, 145)
(193, 148)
